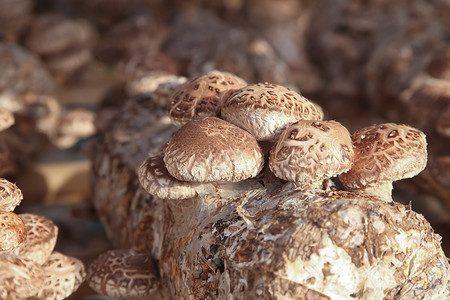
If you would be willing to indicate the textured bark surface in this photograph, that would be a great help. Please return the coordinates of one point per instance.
(259, 239)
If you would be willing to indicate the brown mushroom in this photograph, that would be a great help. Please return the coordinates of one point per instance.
(266, 109)
(160, 85)
(62, 276)
(41, 238)
(202, 96)
(10, 195)
(12, 231)
(385, 153)
(156, 180)
(123, 273)
(20, 278)
(212, 149)
(308, 152)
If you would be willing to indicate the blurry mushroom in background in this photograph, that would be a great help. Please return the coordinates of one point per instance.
(159, 85)
(123, 273)
(143, 61)
(130, 36)
(6, 118)
(12, 231)
(212, 149)
(41, 238)
(157, 181)
(20, 278)
(14, 17)
(74, 125)
(62, 276)
(307, 152)
(63, 44)
(203, 96)
(266, 109)
(385, 153)
(10, 195)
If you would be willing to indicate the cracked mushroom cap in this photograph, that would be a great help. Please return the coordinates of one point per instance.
(20, 278)
(62, 276)
(6, 118)
(123, 273)
(12, 231)
(210, 150)
(202, 96)
(385, 153)
(157, 181)
(41, 238)
(266, 109)
(10, 195)
(310, 151)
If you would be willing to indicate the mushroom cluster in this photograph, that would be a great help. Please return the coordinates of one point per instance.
(29, 266)
(217, 222)
(304, 149)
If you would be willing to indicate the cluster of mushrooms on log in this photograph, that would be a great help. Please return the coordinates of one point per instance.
(211, 174)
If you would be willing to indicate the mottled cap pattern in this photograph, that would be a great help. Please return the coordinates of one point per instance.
(157, 181)
(123, 273)
(62, 276)
(12, 231)
(41, 238)
(210, 150)
(266, 109)
(385, 153)
(20, 278)
(202, 96)
(10, 195)
(310, 151)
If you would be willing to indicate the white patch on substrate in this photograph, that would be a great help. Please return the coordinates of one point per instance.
(368, 282)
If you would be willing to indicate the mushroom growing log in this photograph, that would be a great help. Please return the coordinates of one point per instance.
(257, 238)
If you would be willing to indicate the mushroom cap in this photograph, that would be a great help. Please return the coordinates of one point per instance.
(51, 33)
(12, 231)
(123, 273)
(385, 153)
(10, 195)
(202, 96)
(41, 238)
(6, 118)
(159, 84)
(156, 180)
(266, 109)
(310, 151)
(212, 149)
(62, 276)
(20, 278)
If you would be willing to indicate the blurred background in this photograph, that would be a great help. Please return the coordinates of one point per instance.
(66, 66)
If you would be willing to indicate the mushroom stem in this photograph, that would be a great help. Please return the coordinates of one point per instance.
(380, 191)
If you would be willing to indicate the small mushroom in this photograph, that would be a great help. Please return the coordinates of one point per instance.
(41, 238)
(385, 153)
(266, 109)
(203, 96)
(63, 44)
(156, 180)
(10, 195)
(212, 149)
(74, 125)
(159, 85)
(12, 231)
(123, 273)
(62, 276)
(308, 152)
(20, 278)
